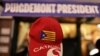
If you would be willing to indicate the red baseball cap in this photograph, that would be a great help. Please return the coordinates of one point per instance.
(45, 37)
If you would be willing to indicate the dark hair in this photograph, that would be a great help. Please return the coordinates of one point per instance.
(98, 44)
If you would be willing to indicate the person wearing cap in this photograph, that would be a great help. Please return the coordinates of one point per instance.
(45, 37)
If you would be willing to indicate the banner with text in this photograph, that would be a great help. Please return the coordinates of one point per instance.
(51, 9)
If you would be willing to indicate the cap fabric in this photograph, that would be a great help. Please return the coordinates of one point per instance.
(45, 37)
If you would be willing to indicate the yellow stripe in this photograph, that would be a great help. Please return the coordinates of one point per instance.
(48, 39)
(49, 32)
(51, 36)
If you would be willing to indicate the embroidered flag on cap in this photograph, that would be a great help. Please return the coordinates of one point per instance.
(48, 35)
(45, 37)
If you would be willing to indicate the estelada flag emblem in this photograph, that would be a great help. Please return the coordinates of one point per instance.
(48, 35)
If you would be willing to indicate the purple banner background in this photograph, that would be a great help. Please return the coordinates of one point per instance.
(50, 14)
